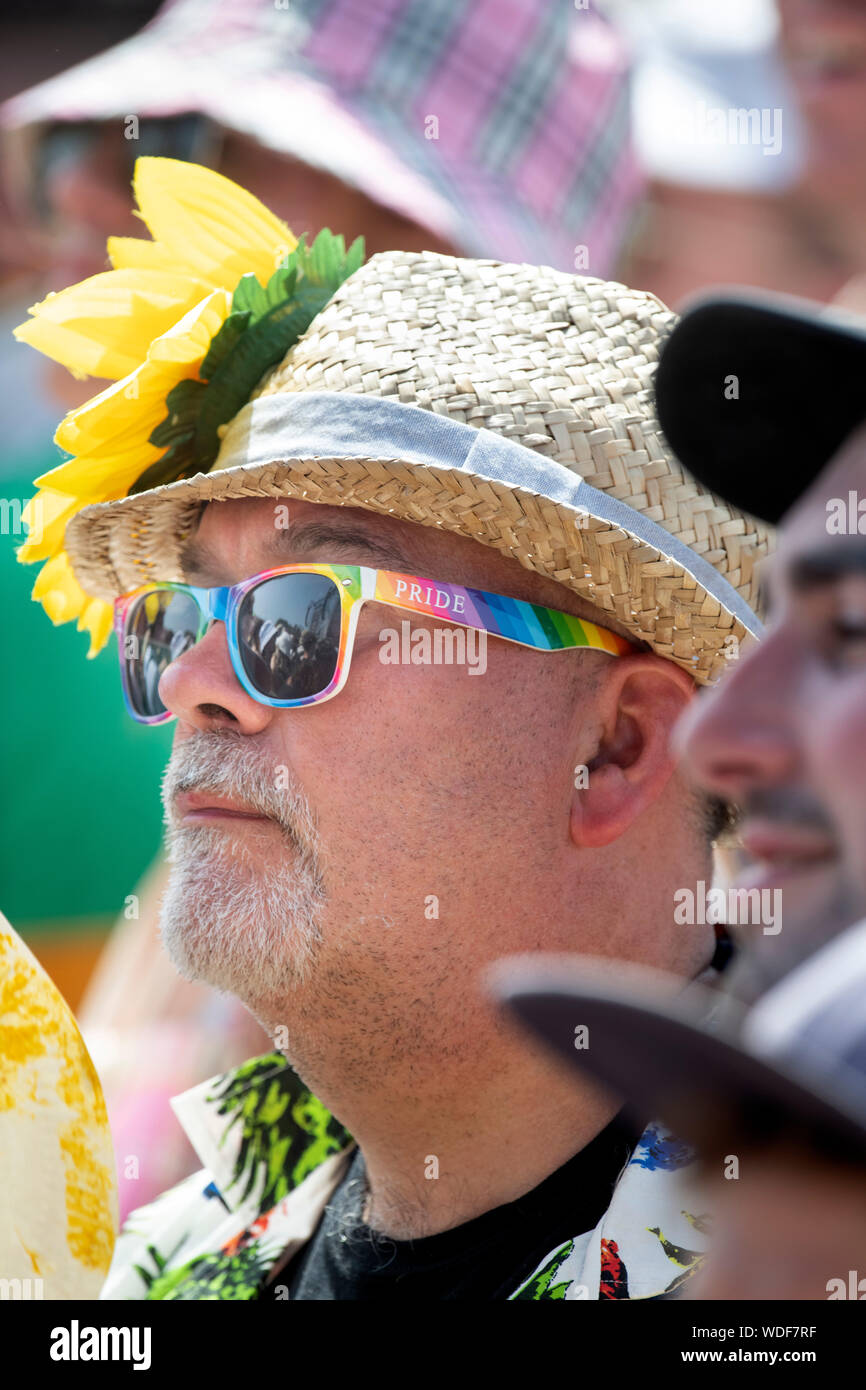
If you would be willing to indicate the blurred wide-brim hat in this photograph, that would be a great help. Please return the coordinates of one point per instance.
(732, 399)
(503, 128)
(508, 403)
(794, 1062)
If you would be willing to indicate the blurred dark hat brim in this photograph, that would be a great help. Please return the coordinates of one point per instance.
(756, 393)
(656, 1050)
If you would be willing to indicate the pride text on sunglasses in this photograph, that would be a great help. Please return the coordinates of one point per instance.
(454, 603)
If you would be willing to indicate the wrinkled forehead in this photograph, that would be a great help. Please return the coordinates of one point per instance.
(237, 538)
(267, 521)
(247, 535)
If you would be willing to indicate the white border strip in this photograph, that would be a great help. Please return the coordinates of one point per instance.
(339, 424)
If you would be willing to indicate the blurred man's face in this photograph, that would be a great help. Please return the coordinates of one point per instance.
(823, 43)
(784, 736)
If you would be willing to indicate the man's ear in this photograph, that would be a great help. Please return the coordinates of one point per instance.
(638, 702)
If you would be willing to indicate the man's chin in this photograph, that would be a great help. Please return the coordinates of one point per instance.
(812, 907)
(240, 922)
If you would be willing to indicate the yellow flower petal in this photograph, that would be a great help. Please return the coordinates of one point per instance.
(146, 325)
(98, 620)
(134, 253)
(207, 223)
(63, 599)
(131, 409)
(104, 325)
(56, 342)
(46, 516)
(59, 591)
(102, 477)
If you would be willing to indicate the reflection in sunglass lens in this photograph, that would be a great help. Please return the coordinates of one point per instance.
(161, 626)
(289, 635)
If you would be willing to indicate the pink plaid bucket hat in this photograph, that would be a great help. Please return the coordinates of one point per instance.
(502, 125)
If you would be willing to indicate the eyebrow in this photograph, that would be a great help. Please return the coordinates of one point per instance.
(826, 565)
(297, 541)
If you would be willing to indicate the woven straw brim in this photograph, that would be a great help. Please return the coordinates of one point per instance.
(559, 364)
(138, 539)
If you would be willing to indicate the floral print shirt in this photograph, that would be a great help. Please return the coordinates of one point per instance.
(273, 1156)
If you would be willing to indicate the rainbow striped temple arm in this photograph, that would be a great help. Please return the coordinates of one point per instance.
(531, 625)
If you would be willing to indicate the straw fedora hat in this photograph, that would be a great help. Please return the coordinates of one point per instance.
(509, 403)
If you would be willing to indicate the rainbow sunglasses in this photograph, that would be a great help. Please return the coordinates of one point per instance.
(291, 630)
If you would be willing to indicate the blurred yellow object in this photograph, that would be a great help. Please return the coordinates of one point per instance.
(58, 1186)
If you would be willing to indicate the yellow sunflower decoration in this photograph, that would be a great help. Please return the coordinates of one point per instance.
(184, 326)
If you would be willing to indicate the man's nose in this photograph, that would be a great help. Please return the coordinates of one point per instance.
(741, 735)
(201, 688)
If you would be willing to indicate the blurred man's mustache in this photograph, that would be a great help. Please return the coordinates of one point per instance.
(792, 806)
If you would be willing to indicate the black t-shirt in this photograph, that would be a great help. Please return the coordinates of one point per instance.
(486, 1258)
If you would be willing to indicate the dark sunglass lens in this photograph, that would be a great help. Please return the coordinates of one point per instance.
(161, 626)
(289, 635)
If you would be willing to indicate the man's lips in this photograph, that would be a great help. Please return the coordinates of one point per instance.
(207, 806)
(782, 851)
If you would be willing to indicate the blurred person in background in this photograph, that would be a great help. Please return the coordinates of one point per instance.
(784, 737)
(823, 47)
(748, 123)
(60, 765)
(498, 131)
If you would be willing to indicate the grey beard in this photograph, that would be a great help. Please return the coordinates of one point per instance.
(226, 919)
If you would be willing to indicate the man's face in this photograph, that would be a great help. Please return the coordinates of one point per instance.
(784, 736)
(823, 44)
(371, 853)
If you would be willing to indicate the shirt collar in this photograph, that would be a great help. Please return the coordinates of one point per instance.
(259, 1132)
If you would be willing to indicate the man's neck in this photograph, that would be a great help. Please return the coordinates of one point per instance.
(444, 1143)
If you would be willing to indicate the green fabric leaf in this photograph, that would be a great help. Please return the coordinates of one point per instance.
(225, 341)
(252, 298)
(184, 403)
(260, 348)
(326, 262)
(264, 323)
